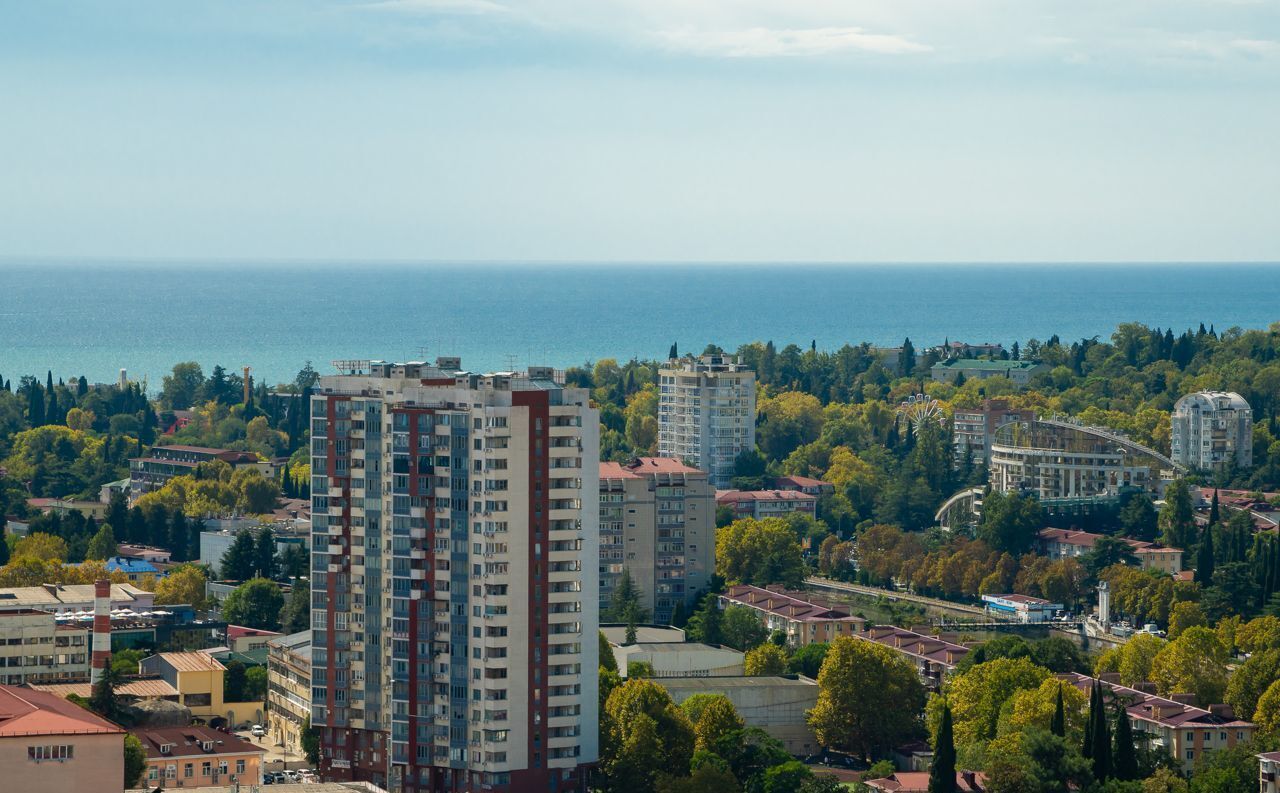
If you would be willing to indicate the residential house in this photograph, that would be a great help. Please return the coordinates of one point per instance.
(199, 756)
(1019, 372)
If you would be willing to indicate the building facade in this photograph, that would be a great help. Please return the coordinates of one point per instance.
(50, 745)
(35, 649)
(804, 618)
(197, 756)
(289, 688)
(706, 413)
(199, 679)
(658, 522)
(974, 428)
(165, 462)
(1019, 372)
(1069, 544)
(1212, 430)
(761, 504)
(454, 571)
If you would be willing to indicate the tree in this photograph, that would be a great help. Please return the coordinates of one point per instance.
(741, 628)
(1038, 762)
(767, 659)
(234, 682)
(642, 732)
(808, 659)
(183, 584)
(254, 604)
(297, 611)
(1195, 662)
(1204, 558)
(707, 778)
(1164, 780)
(42, 546)
(241, 559)
(1177, 517)
(1108, 551)
(1138, 518)
(706, 623)
(759, 552)
(1010, 521)
(310, 739)
(135, 761)
(125, 662)
(717, 717)
(102, 698)
(1227, 771)
(264, 554)
(1250, 681)
(624, 603)
(1186, 614)
(1058, 725)
(255, 684)
(181, 388)
(785, 778)
(1124, 757)
(942, 771)
(977, 696)
(868, 698)
(1038, 708)
(258, 494)
(607, 661)
(102, 546)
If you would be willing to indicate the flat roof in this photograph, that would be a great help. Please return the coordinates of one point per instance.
(736, 681)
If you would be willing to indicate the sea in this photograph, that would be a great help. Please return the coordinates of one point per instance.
(96, 318)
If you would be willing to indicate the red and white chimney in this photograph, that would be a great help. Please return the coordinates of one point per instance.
(101, 629)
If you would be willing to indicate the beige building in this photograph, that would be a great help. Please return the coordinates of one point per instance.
(50, 745)
(680, 659)
(199, 679)
(803, 617)
(198, 756)
(289, 688)
(61, 598)
(706, 413)
(657, 521)
(777, 705)
(455, 570)
(1067, 544)
(35, 649)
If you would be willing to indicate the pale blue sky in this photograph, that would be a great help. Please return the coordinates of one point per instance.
(825, 130)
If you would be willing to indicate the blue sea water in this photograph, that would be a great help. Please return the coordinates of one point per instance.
(95, 319)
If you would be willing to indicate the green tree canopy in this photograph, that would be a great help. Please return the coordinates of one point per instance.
(869, 698)
(256, 603)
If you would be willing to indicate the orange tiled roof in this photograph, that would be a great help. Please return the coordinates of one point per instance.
(24, 711)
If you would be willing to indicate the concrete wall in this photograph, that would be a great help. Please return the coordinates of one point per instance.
(96, 765)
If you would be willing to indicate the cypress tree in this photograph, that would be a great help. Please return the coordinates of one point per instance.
(1086, 748)
(1126, 759)
(179, 537)
(1204, 558)
(1101, 737)
(1059, 724)
(942, 772)
(1214, 514)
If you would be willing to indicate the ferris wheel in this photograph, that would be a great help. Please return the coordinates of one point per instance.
(918, 410)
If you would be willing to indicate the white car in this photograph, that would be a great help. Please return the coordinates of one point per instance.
(257, 731)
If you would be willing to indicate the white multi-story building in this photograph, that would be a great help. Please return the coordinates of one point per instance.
(454, 577)
(1210, 430)
(706, 413)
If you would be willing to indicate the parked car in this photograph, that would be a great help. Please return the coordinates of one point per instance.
(1152, 629)
(257, 731)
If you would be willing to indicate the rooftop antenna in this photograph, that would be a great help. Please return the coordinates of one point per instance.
(511, 361)
(422, 352)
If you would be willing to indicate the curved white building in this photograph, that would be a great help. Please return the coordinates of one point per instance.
(1211, 430)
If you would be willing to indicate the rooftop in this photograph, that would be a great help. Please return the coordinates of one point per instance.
(638, 467)
(189, 662)
(60, 595)
(732, 496)
(191, 741)
(241, 632)
(792, 605)
(24, 711)
(149, 688)
(616, 634)
(1028, 599)
(1162, 710)
(737, 681)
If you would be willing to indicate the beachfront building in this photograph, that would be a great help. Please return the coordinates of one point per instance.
(50, 745)
(974, 428)
(1019, 372)
(1212, 430)
(706, 413)
(455, 566)
(658, 522)
(1063, 459)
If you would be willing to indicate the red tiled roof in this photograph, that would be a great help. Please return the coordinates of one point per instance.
(1084, 539)
(240, 632)
(803, 481)
(792, 605)
(1161, 710)
(187, 742)
(918, 782)
(24, 711)
(734, 496)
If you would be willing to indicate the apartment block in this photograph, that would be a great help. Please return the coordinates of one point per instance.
(1211, 430)
(974, 428)
(165, 462)
(706, 413)
(762, 504)
(289, 688)
(34, 648)
(454, 570)
(657, 521)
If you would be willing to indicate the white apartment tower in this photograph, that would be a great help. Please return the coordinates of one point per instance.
(706, 413)
(455, 569)
(1210, 430)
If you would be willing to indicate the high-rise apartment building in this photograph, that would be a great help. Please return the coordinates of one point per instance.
(1211, 430)
(454, 559)
(974, 428)
(706, 413)
(658, 522)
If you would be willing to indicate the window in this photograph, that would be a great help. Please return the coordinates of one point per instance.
(54, 752)
(1191, 754)
(239, 766)
(188, 771)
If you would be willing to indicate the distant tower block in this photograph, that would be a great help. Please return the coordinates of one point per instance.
(1104, 605)
(101, 628)
(124, 378)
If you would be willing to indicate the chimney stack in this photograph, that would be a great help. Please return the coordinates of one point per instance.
(101, 629)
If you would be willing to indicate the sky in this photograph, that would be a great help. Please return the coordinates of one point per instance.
(640, 130)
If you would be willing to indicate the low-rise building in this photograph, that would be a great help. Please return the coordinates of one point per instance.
(1022, 608)
(61, 598)
(165, 462)
(199, 678)
(933, 656)
(1173, 724)
(680, 659)
(777, 705)
(804, 484)
(1019, 372)
(198, 756)
(133, 689)
(35, 649)
(1068, 544)
(50, 745)
(62, 506)
(241, 639)
(804, 618)
(134, 570)
(766, 503)
(289, 688)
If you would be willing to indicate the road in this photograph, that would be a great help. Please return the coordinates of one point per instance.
(888, 594)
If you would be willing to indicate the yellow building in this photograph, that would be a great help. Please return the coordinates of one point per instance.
(49, 745)
(198, 756)
(199, 679)
(289, 689)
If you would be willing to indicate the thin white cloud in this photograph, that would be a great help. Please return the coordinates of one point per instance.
(762, 42)
(437, 6)
(1256, 46)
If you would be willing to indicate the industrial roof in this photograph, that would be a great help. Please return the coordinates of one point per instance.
(150, 688)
